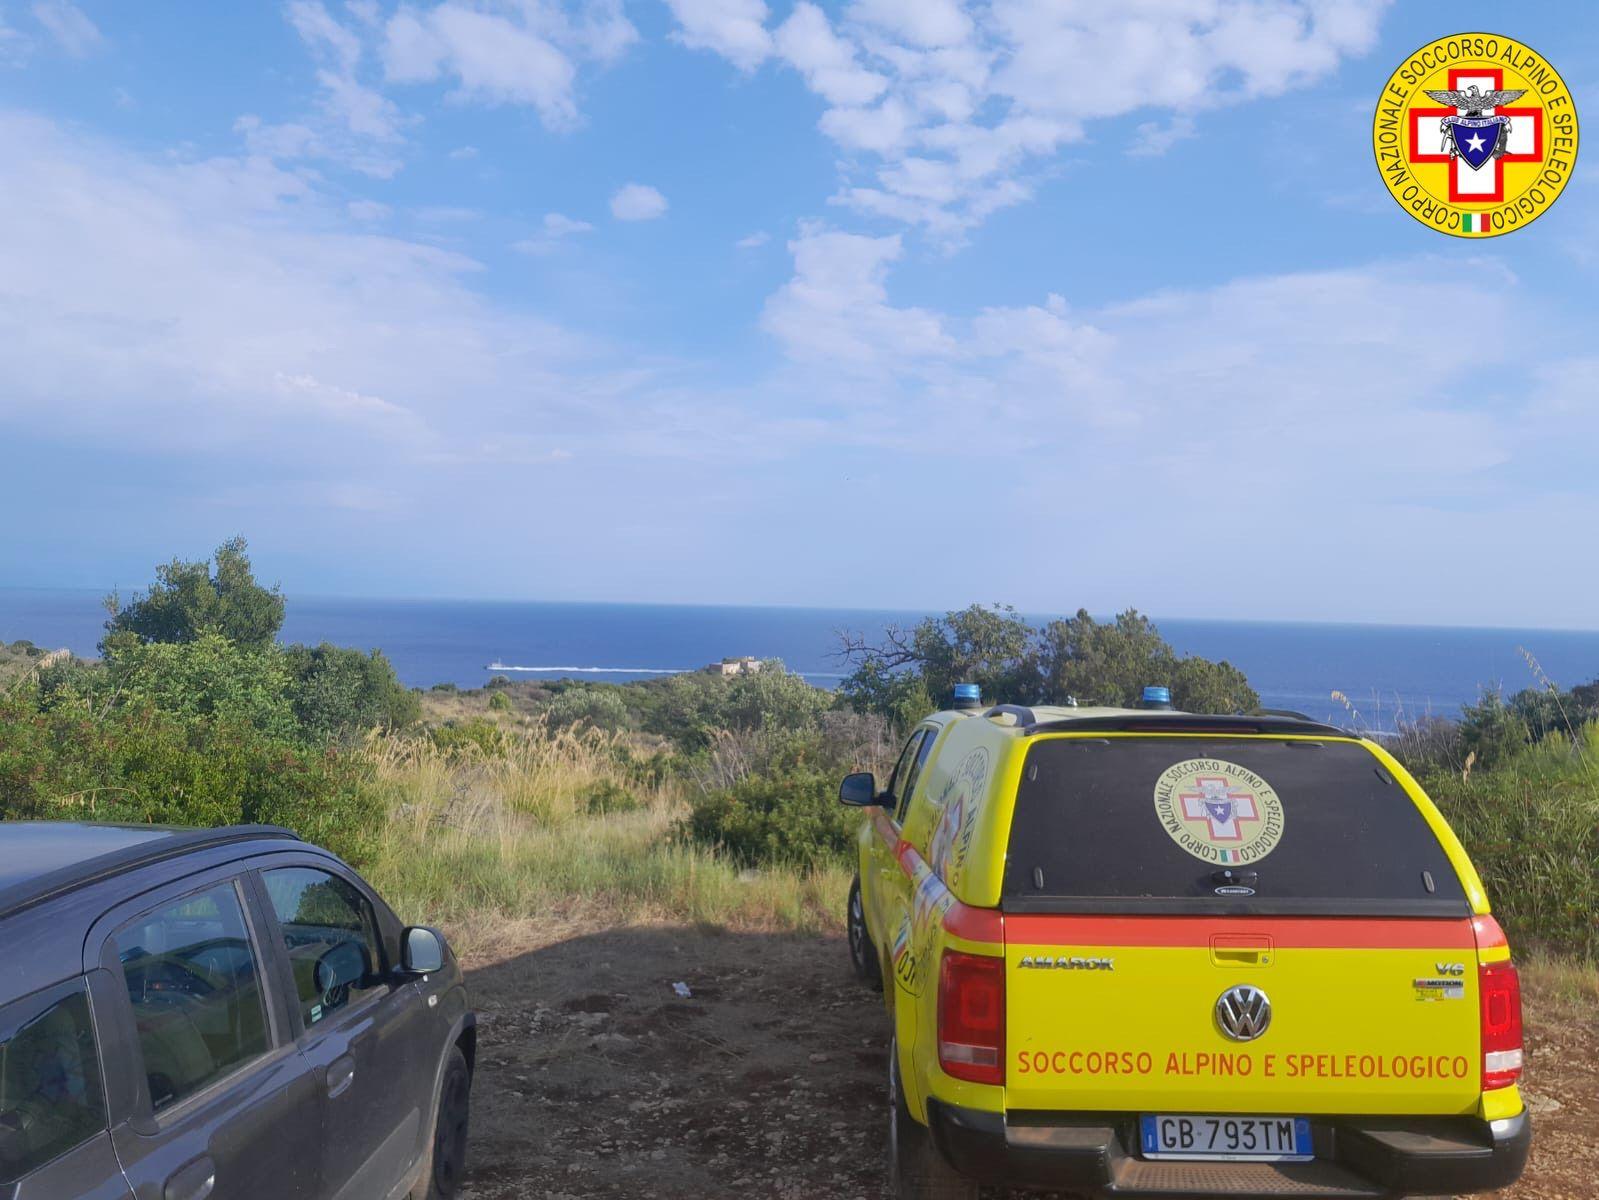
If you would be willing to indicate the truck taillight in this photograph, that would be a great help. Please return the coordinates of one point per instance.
(1500, 988)
(971, 1017)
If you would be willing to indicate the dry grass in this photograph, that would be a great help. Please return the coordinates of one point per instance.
(476, 839)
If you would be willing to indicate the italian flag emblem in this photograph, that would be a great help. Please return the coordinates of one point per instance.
(1475, 223)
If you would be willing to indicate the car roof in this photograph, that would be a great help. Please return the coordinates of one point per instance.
(42, 859)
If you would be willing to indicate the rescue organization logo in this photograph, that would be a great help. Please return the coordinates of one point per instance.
(1219, 811)
(1475, 135)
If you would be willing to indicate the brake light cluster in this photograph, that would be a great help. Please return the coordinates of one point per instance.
(971, 1017)
(1500, 989)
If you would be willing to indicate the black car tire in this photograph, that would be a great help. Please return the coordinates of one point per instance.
(916, 1170)
(862, 953)
(447, 1168)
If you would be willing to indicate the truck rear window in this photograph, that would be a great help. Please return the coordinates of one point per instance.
(1220, 824)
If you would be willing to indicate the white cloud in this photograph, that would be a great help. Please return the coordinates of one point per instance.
(948, 110)
(558, 225)
(505, 53)
(71, 28)
(556, 228)
(827, 61)
(325, 36)
(184, 307)
(637, 202)
(835, 310)
(368, 210)
(735, 29)
(14, 45)
(354, 124)
(753, 241)
(462, 153)
(924, 23)
(1153, 138)
(1278, 381)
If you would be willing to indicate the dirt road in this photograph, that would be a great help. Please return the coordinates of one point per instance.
(597, 1080)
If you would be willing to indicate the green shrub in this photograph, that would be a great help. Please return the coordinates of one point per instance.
(1531, 825)
(477, 736)
(599, 707)
(208, 678)
(338, 692)
(135, 762)
(609, 797)
(793, 819)
(500, 702)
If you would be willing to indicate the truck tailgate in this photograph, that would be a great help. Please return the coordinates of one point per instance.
(1360, 1015)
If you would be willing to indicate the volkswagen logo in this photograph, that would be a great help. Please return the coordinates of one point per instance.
(1243, 1012)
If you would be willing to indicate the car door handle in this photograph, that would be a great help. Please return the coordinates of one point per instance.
(341, 1074)
(195, 1181)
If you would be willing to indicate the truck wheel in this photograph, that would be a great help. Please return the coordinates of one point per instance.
(861, 951)
(447, 1162)
(916, 1170)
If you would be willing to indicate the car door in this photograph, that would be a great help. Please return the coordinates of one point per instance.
(892, 890)
(361, 1025)
(209, 1094)
(880, 858)
(54, 1138)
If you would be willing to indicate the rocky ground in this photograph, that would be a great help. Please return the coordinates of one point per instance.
(596, 1079)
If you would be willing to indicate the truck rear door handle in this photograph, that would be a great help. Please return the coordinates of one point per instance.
(1240, 950)
(195, 1181)
(341, 1074)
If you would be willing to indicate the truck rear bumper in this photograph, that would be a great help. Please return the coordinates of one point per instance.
(1355, 1156)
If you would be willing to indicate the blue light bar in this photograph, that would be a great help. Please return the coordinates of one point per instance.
(1157, 695)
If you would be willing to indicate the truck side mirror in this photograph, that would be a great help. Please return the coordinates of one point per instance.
(859, 790)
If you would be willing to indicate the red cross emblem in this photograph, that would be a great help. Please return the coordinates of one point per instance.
(1221, 806)
(1486, 186)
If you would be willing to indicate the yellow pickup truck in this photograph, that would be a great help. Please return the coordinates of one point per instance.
(1139, 952)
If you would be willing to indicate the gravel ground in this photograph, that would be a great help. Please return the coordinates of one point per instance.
(596, 1079)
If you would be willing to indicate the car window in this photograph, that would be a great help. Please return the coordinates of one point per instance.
(924, 750)
(331, 936)
(1167, 819)
(902, 770)
(195, 987)
(50, 1094)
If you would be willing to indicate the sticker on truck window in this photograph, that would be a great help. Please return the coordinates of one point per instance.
(961, 803)
(1219, 811)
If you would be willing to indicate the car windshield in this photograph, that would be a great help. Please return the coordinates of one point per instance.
(1253, 823)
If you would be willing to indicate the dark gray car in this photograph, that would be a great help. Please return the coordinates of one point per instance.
(228, 1012)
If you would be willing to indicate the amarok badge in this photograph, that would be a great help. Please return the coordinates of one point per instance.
(1476, 135)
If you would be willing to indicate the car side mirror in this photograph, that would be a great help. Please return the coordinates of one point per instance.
(859, 790)
(422, 951)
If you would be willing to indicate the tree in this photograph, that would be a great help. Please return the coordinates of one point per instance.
(992, 646)
(208, 680)
(188, 600)
(1074, 658)
(337, 691)
(1112, 663)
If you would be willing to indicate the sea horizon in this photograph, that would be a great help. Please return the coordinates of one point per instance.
(1387, 672)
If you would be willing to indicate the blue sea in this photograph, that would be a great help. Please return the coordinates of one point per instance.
(1385, 670)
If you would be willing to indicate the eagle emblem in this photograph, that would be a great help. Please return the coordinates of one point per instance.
(1467, 134)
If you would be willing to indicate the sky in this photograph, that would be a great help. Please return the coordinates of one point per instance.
(881, 303)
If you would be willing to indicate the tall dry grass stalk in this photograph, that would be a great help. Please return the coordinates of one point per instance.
(562, 817)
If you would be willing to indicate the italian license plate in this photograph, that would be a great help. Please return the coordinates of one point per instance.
(1236, 1139)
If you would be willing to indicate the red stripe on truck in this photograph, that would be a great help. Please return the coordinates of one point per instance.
(1324, 933)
